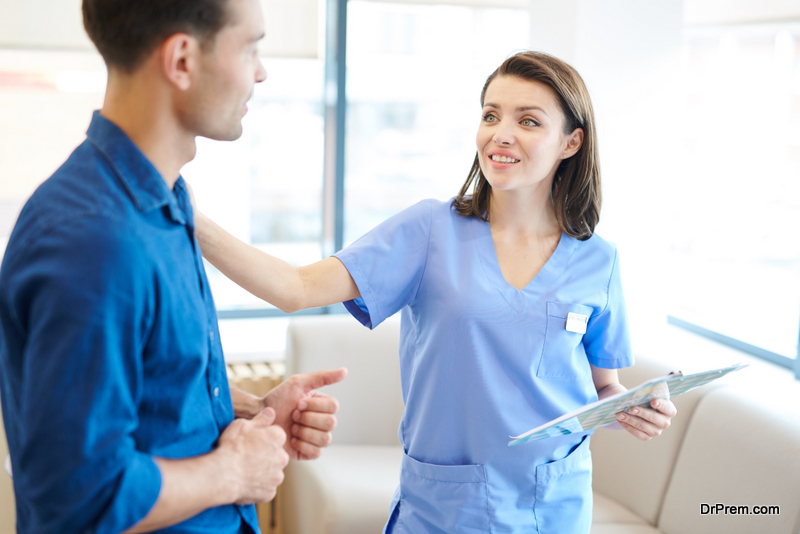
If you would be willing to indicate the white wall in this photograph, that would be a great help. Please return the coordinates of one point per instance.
(291, 27)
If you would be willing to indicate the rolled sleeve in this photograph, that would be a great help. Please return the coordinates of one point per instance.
(387, 264)
(83, 305)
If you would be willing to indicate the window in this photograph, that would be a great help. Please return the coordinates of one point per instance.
(737, 261)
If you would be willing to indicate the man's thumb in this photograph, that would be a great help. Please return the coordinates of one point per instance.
(267, 414)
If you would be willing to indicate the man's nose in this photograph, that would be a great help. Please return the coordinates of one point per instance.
(261, 72)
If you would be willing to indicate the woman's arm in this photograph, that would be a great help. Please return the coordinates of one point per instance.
(281, 284)
(642, 423)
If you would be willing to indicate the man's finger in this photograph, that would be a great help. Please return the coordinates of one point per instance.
(277, 435)
(309, 435)
(318, 403)
(320, 379)
(306, 451)
(321, 421)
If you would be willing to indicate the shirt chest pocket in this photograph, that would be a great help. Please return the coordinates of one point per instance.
(563, 355)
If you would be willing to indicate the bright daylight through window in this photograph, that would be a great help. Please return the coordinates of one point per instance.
(741, 127)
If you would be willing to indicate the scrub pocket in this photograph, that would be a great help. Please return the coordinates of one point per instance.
(441, 499)
(563, 501)
(563, 355)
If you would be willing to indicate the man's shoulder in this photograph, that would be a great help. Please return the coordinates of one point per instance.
(82, 206)
(85, 185)
(85, 182)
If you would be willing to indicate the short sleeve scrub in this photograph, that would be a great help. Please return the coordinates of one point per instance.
(481, 360)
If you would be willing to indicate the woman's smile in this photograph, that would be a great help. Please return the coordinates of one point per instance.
(503, 160)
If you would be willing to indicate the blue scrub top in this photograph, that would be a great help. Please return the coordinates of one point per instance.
(480, 361)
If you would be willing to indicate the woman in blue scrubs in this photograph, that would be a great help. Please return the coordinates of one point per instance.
(512, 314)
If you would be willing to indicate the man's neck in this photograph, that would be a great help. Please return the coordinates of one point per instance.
(142, 108)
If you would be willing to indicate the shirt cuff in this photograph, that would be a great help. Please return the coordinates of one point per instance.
(136, 493)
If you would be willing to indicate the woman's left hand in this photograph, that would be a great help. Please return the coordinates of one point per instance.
(647, 423)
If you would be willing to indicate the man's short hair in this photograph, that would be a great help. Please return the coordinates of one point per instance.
(126, 31)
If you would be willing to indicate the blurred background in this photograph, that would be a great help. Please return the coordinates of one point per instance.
(370, 106)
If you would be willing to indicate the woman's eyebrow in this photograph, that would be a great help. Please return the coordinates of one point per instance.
(528, 108)
(519, 109)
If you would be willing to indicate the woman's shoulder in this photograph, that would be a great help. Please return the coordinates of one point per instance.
(429, 208)
(598, 248)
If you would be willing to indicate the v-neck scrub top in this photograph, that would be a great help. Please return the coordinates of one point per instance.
(480, 361)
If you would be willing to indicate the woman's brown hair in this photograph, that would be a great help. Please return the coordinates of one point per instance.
(576, 186)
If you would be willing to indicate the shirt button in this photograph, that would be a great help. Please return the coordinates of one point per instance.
(216, 391)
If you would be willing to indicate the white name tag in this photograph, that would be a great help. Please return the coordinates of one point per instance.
(577, 323)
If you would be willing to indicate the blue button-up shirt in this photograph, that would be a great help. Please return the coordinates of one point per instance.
(109, 348)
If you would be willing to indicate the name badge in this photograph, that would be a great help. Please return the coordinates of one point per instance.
(577, 323)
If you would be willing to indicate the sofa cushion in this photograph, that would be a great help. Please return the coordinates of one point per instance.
(348, 489)
(616, 528)
(607, 510)
(740, 449)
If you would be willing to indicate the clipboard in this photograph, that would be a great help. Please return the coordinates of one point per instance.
(604, 412)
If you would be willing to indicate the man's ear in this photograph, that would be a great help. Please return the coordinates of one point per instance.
(179, 58)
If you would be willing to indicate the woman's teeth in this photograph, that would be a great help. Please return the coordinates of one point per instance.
(503, 159)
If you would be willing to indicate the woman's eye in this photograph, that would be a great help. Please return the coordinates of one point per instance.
(529, 122)
(489, 118)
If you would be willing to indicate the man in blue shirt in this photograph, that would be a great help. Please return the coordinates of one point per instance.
(114, 393)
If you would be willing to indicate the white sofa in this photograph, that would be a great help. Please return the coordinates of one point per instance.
(726, 446)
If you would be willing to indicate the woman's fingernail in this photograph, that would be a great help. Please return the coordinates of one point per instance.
(634, 410)
(302, 405)
(656, 404)
(621, 416)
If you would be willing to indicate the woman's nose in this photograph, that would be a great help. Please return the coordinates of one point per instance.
(503, 137)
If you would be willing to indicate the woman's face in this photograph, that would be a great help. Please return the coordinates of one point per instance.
(520, 139)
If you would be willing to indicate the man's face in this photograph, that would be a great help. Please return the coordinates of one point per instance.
(226, 73)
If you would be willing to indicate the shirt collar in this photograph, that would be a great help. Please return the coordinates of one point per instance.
(143, 182)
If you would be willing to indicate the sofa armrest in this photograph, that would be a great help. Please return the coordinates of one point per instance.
(742, 448)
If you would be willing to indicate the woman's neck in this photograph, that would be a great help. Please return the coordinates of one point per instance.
(523, 213)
